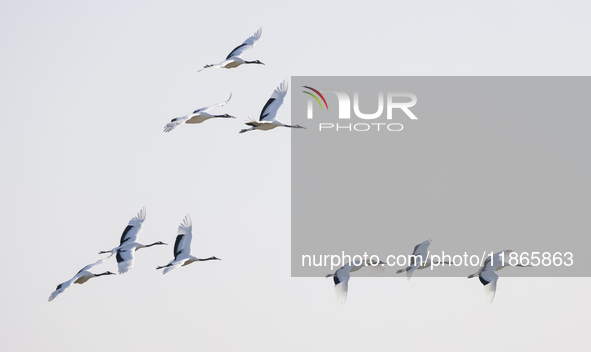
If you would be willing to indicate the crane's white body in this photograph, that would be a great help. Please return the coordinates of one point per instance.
(267, 119)
(198, 116)
(228, 63)
(81, 277)
(128, 243)
(182, 247)
(131, 232)
(234, 59)
(419, 259)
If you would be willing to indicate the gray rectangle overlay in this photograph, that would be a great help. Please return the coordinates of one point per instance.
(476, 164)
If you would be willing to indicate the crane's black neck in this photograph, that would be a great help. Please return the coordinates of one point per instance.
(105, 273)
(153, 244)
(210, 258)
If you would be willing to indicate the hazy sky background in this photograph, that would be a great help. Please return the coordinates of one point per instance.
(86, 89)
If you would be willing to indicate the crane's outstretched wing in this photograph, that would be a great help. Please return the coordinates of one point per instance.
(274, 103)
(90, 266)
(182, 244)
(248, 44)
(177, 121)
(488, 277)
(341, 280)
(125, 257)
(420, 251)
(207, 108)
(133, 228)
(376, 267)
(61, 288)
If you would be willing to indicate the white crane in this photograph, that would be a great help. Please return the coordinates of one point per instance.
(234, 59)
(128, 243)
(487, 273)
(182, 248)
(198, 116)
(343, 274)
(418, 259)
(81, 277)
(267, 119)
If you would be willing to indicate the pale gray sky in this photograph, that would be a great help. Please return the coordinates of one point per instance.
(86, 90)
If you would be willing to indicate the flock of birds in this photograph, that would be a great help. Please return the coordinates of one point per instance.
(125, 251)
(486, 273)
(267, 119)
(128, 245)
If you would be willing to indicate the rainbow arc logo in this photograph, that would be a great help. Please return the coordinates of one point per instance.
(315, 97)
